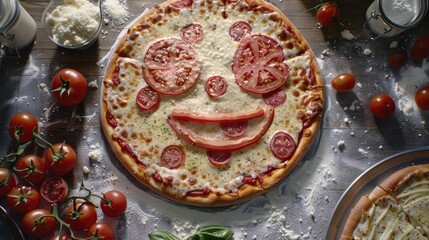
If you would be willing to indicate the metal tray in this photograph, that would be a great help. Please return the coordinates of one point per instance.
(366, 182)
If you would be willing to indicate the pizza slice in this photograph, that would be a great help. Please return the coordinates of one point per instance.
(379, 216)
(410, 187)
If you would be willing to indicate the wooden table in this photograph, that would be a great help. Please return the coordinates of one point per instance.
(300, 207)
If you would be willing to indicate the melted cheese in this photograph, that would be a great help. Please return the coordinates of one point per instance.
(216, 50)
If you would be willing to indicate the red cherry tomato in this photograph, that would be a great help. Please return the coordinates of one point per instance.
(171, 66)
(327, 13)
(69, 87)
(54, 189)
(62, 236)
(172, 157)
(216, 86)
(31, 168)
(147, 99)
(218, 158)
(382, 106)
(282, 146)
(38, 223)
(234, 129)
(422, 98)
(259, 69)
(7, 181)
(61, 160)
(192, 33)
(420, 48)
(22, 125)
(116, 203)
(101, 230)
(239, 30)
(344, 82)
(22, 199)
(80, 215)
(398, 58)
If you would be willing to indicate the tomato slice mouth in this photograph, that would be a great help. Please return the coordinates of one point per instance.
(221, 145)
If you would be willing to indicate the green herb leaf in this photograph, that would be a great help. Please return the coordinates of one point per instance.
(162, 235)
(212, 233)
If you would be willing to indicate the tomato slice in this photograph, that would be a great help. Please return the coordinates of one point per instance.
(172, 157)
(234, 129)
(192, 33)
(282, 146)
(218, 158)
(216, 86)
(239, 30)
(275, 99)
(147, 99)
(186, 115)
(258, 64)
(171, 66)
(223, 145)
(54, 189)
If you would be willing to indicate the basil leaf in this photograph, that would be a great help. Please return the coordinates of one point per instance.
(162, 235)
(212, 233)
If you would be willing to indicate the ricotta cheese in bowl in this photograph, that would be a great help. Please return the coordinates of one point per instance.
(73, 24)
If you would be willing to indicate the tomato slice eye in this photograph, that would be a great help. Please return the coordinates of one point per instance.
(192, 33)
(258, 64)
(275, 99)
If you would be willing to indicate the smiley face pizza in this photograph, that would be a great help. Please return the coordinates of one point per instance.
(210, 102)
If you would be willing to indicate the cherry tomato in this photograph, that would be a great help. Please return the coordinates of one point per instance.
(101, 230)
(80, 215)
(327, 13)
(22, 125)
(38, 223)
(22, 199)
(7, 181)
(398, 58)
(54, 189)
(69, 87)
(116, 205)
(420, 48)
(31, 168)
(61, 160)
(61, 236)
(382, 106)
(344, 82)
(422, 98)
(147, 99)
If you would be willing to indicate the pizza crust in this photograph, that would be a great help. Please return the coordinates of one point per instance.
(265, 182)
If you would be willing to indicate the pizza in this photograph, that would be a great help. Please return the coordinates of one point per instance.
(210, 102)
(396, 209)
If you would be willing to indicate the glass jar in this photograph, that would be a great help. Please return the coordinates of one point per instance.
(17, 27)
(387, 18)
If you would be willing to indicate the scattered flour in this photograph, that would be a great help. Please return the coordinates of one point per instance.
(347, 34)
(116, 11)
